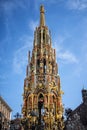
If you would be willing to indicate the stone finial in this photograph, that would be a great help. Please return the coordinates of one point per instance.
(42, 17)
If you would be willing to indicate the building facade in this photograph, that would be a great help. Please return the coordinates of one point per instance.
(5, 114)
(42, 95)
(77, 120)
(15, 124)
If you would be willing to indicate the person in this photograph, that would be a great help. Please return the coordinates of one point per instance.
(33, 127)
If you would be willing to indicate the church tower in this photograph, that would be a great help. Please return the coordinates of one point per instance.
(42, 105)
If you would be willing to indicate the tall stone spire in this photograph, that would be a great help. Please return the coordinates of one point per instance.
(42, 89)
(42, 17)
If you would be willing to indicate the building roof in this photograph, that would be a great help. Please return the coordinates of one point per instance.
(81, 111)
(4, 102)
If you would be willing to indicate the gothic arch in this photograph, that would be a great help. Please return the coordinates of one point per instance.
(40, 95)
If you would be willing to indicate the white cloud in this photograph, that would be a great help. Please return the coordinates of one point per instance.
(62, 53)
(61, 38)
(21, 55)
(33, 25)
(67, 57)
(8, 6)
(77, 4)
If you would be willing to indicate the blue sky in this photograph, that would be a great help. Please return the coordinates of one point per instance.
(67, 20)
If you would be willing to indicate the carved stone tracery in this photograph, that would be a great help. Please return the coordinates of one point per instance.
(42, 84)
